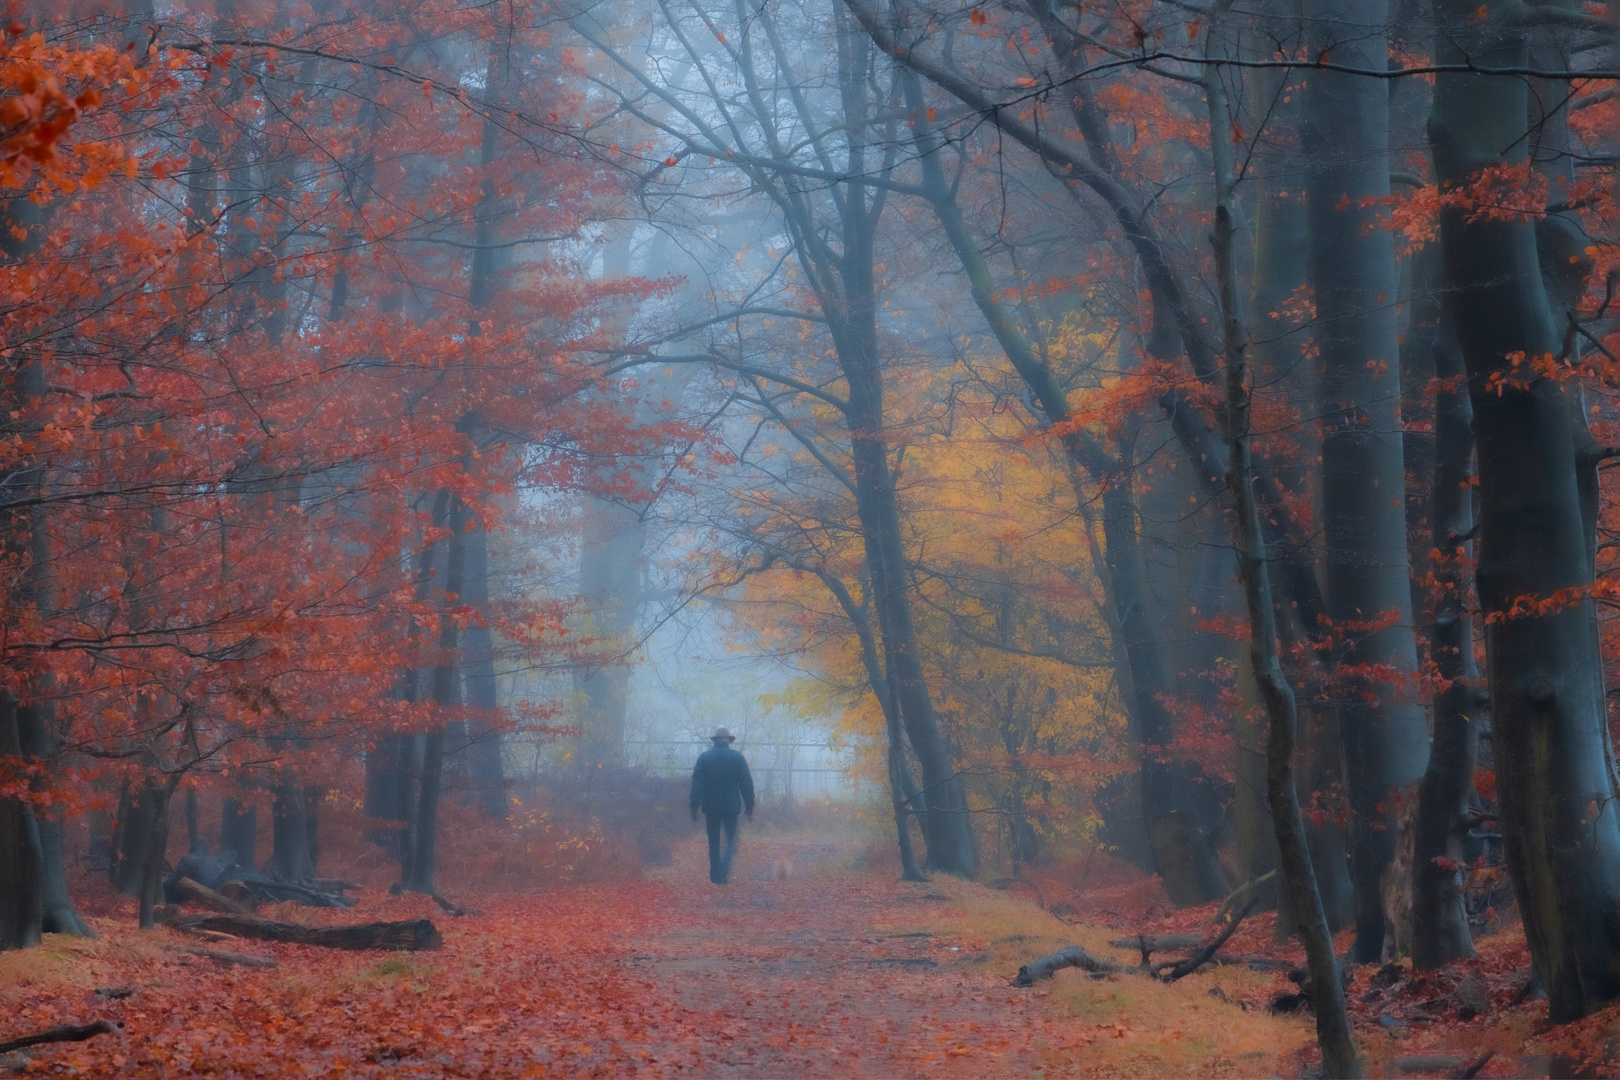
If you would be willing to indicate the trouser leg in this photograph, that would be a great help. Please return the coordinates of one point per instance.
(730, 851)
(711, 823)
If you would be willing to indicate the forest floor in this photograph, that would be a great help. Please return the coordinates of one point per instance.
(834, 969)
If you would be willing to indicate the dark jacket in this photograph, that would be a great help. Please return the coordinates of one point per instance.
(721, 784)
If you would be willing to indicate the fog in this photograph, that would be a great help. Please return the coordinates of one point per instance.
(1173, 438)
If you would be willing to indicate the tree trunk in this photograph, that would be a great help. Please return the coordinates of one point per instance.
(478, 658)
(1352, 270)
(239, 830)
(389, 778)
(610, 568)
(478, 679)
(944, 820)
(135, 828)
(159, 793)
(21, 857)
(1550, 742)
(1293, 858)
(882, 683)
(291, 857)
(1440, 931)
(446, 688)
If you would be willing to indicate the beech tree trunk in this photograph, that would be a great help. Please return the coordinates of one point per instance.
(1440, 931)
(135, 821)
(292, 854)
(239, 830)
(610, 567)
(21, 858)
(446, 690)
(159, 793)
(1352, 271)
(1293, 857)
(478, 682)
(1554, 761)
(478, 652)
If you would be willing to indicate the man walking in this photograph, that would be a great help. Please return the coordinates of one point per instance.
(721, 788)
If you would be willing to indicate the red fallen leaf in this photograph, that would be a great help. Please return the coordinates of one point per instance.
(672, 161)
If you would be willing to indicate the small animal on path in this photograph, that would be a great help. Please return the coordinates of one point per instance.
(784, 867)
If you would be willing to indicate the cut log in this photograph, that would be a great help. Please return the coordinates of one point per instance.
(199, 893)
(225, 957)
(410, 935)
(1073, 956)
(65, 1033)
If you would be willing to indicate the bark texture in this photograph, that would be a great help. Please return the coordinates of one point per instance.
(1554, 761)
(1368, 590)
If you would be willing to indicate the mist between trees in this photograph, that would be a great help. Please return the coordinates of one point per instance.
(1175, 430)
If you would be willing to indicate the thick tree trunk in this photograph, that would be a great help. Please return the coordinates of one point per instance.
(1440, 931)
(446, 689)
(21, 858)
(239, 830)
(1293, 858)
(478, 655)
(159, 793)
(291, 856)
(390, 774)
(1554, 761)
(135, 827)
(478, 681)
(1352, 269)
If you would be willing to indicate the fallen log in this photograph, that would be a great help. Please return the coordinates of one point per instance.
(1073, 956)
(65, 1033)
(199, 893)
(410, 935)
(225, 957)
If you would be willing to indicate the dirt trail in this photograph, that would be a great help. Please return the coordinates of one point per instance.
(814, 975)
(834, 972)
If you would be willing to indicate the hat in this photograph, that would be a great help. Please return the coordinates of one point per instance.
(723, 735)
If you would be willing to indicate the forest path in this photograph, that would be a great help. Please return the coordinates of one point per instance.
(839, 970)
(800, 967)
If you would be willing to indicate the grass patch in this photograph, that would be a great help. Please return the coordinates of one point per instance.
(1121, 1025)
(397, 964)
